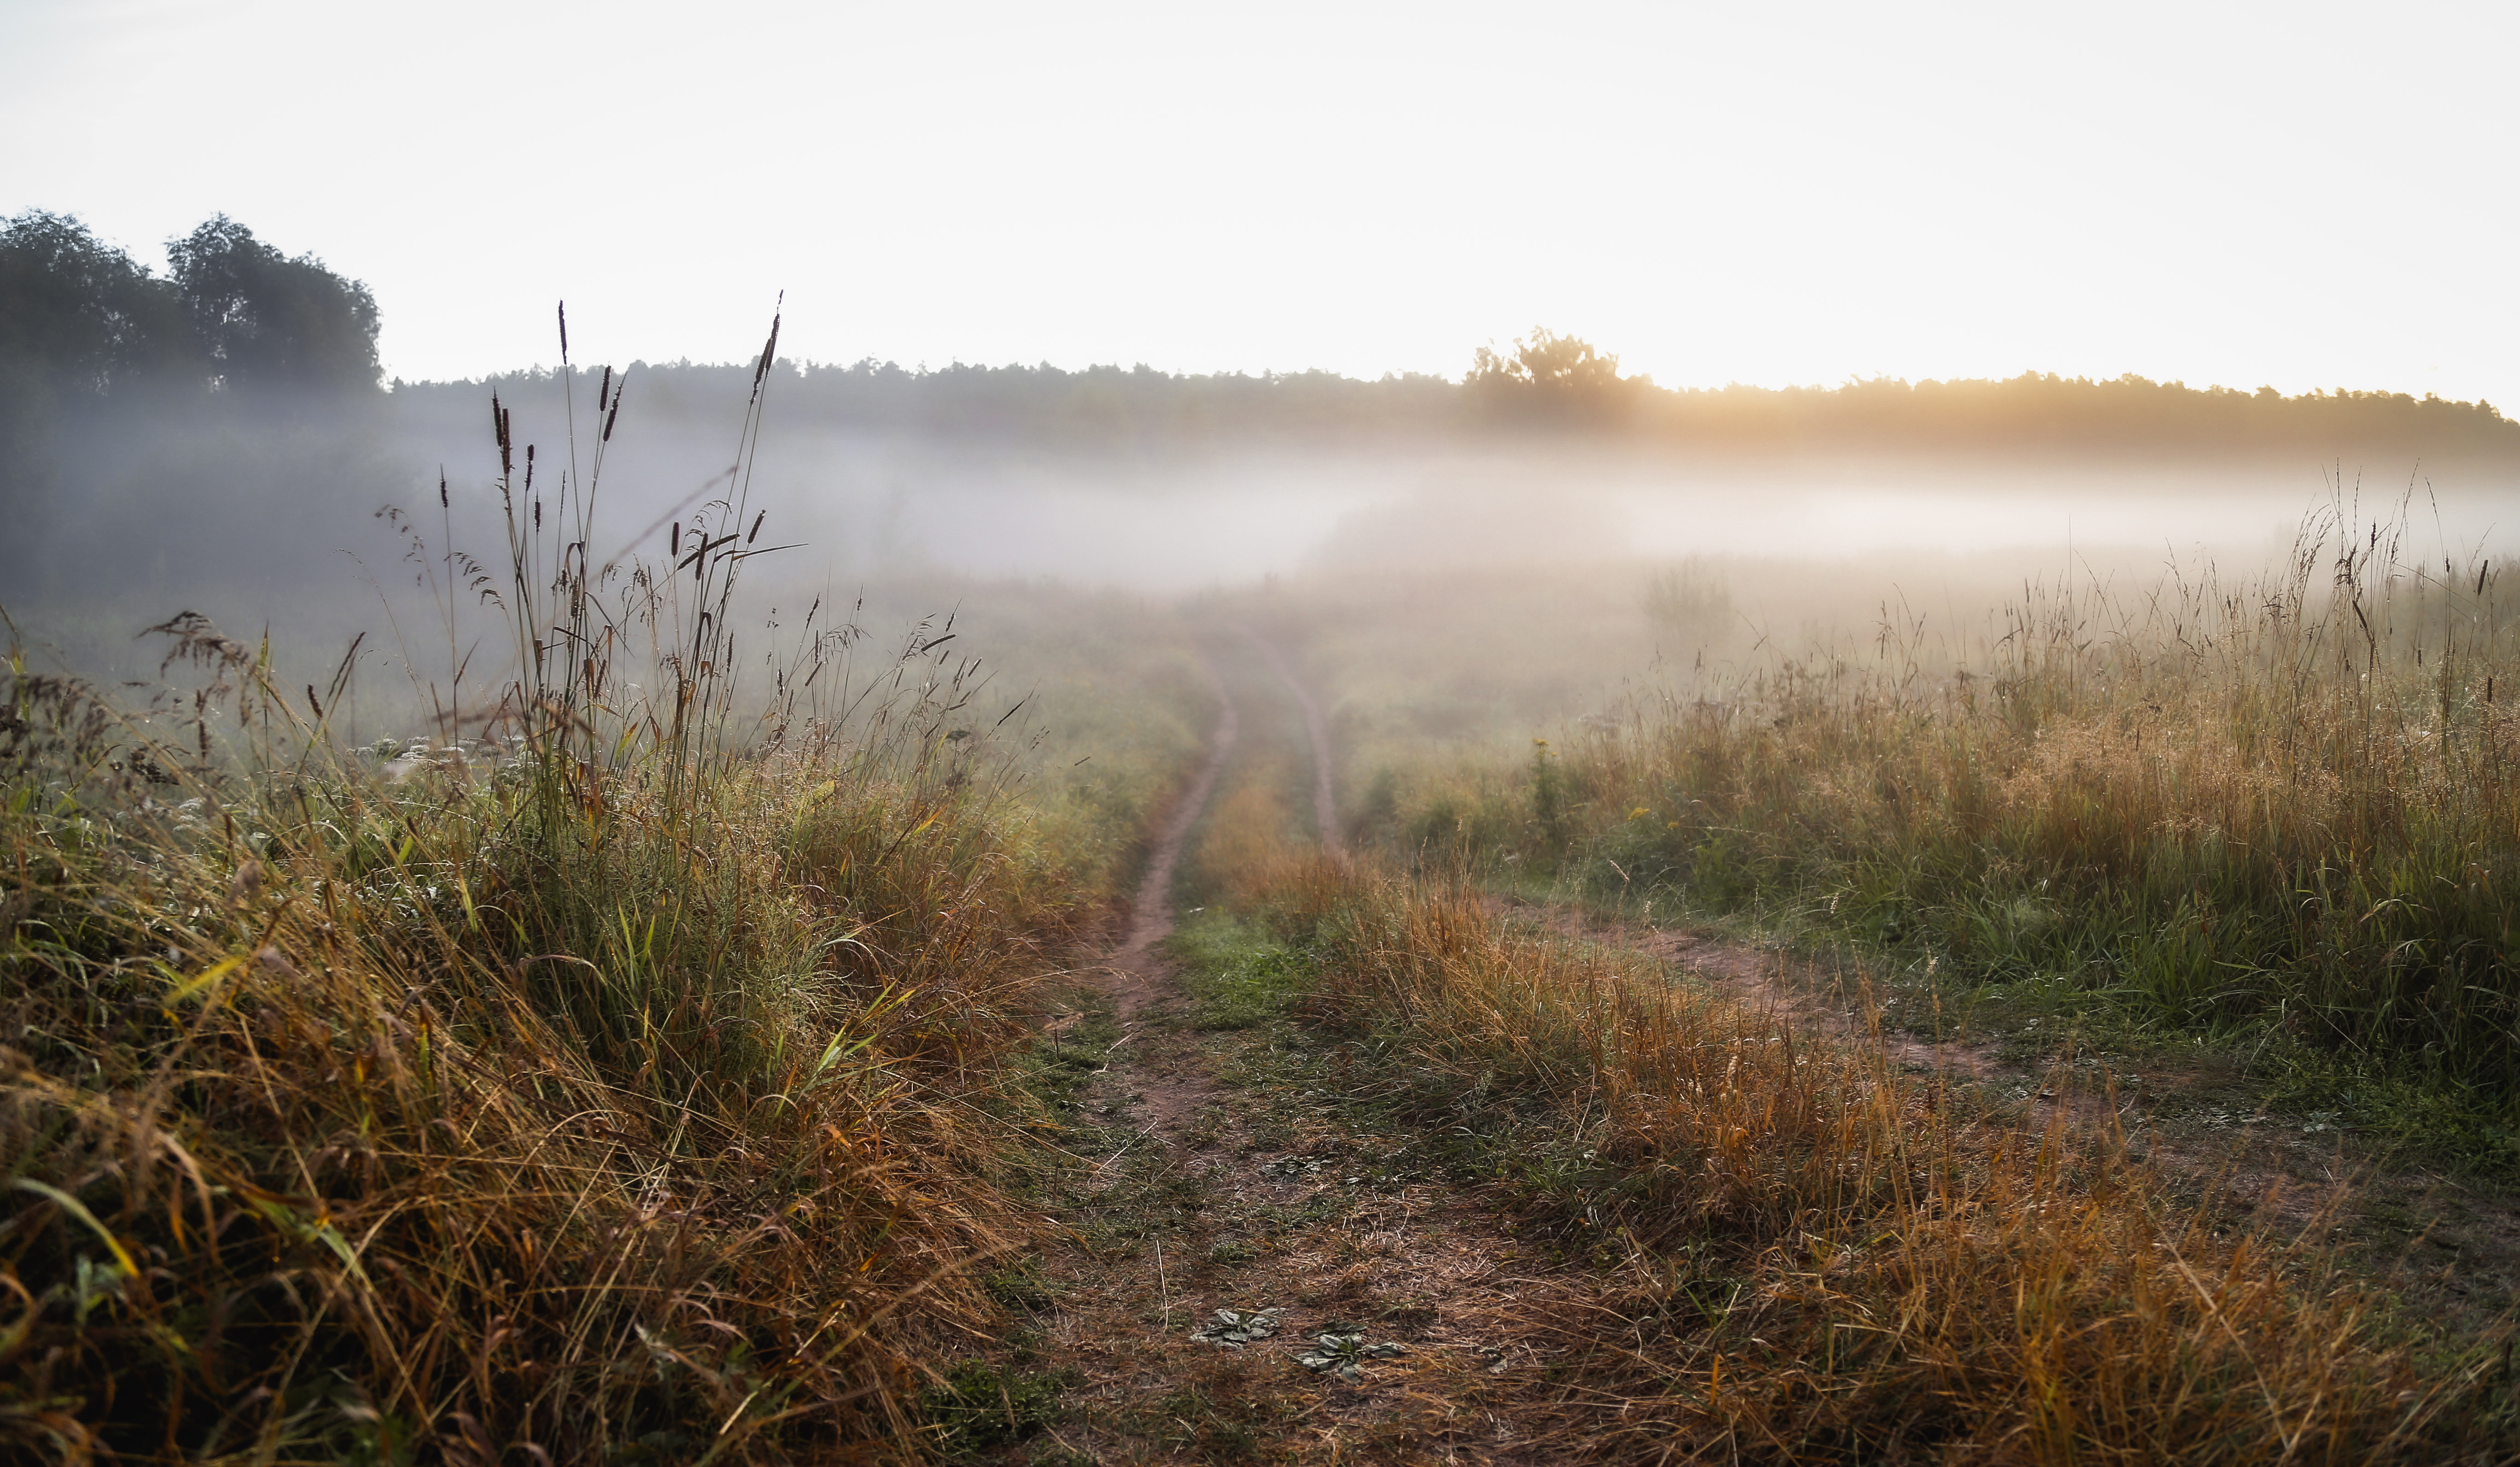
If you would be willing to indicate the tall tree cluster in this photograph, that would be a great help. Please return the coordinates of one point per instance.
(144, 416)
(80, 317)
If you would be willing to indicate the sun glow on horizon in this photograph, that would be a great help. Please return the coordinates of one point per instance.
(2188, 195)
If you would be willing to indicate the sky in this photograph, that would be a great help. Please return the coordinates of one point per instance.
(2303, 196)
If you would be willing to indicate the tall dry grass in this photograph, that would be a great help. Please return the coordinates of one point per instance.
(611, 1076)
(1815, 1258)
(2287, 803)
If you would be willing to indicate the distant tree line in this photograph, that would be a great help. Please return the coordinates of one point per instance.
(2042, 413)
(1558, 384)
(81, 321)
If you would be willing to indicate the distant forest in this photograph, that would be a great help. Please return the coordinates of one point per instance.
(82, 325)
(1532, 390)
(1559, 385)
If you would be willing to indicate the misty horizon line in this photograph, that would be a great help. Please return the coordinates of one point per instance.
(893, 368)
(235, 315)
(1556, 387)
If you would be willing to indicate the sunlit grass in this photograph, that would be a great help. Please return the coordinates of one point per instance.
(1805, 1255)
(2285, 808)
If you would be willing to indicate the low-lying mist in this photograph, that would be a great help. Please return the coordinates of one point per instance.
(1503, 578)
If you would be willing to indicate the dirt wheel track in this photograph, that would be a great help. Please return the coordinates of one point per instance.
(1316, 732)
(1214, 1189)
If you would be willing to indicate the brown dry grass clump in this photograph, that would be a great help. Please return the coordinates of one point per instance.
(605, 1079)
(403, 1136)
(1813, 1257)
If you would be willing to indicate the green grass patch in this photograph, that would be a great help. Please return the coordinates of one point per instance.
(1237, 977)
(977, 1405)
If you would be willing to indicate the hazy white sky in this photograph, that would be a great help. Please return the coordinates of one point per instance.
(2301, 195)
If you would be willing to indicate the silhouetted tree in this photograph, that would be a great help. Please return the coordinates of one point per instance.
(1552, 378)
(104, 418)
(81, 315)
(266, 320)
(78, 318)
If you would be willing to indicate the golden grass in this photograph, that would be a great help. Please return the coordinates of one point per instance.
(1818, 1259)
(405, 1140)
(2288, 803)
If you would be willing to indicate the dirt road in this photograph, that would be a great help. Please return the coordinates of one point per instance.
(1214, 1180)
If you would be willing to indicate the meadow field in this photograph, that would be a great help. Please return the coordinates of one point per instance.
(1352, 736)
(1508, 1009)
